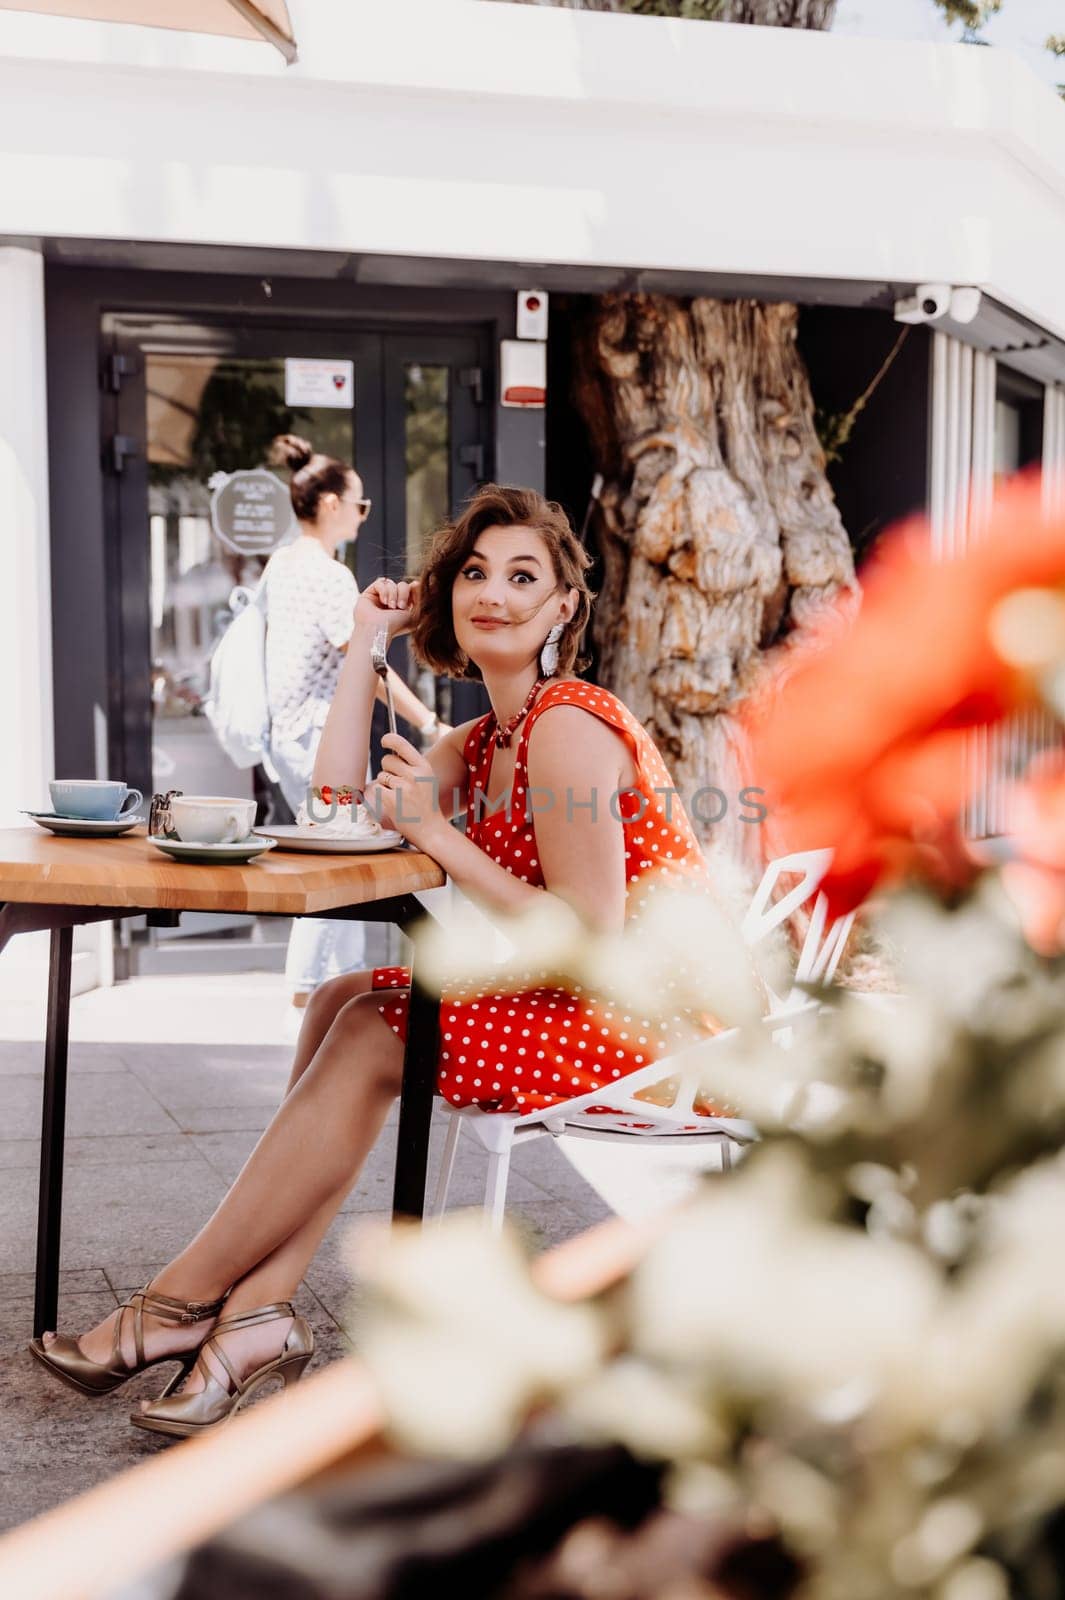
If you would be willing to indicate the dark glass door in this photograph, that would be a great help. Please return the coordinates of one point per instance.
(434, 455)
(189, 406)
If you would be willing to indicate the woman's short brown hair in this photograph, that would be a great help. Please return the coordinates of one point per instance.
(496, 505)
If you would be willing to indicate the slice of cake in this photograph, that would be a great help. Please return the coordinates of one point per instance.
(338, 816)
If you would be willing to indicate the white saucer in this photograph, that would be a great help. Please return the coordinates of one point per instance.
(236, 854)
(289, 837)
(82, 827)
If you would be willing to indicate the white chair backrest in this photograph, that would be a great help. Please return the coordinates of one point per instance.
(823, 945)
(824, 942)
(765, 913)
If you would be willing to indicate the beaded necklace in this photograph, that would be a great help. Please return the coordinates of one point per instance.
(502, 735)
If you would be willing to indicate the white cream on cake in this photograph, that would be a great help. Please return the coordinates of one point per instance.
(349, 822)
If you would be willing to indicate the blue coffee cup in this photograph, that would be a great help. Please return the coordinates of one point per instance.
(93, 799)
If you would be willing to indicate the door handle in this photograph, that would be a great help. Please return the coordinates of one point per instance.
(472, 456)
(120, 447)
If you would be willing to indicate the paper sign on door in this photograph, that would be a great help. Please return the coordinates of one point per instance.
(320, 383)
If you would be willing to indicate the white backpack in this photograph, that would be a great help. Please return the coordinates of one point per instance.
(236, 704)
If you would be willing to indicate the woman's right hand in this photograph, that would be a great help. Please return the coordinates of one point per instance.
(387, 604)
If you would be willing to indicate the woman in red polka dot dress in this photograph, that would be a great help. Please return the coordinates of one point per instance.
(562, 790)
(525, 1051)
(588, 816)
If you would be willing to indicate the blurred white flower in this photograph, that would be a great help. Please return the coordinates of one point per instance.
(909, 1042)
(993, 1336)
(681, 951)
(947, 1530)
(978, 1579)
(472, 948)
(867, 1180)
(856, 1340)
(951, 1227)
(784, 1305)
(1027, 628)
(957, 960)
(700, 1489)
(459, 1339)
(808, 1505)
(654, 1414)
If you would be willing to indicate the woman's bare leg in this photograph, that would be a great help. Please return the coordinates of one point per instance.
(275, 1279)
(320, 1014)
(311, 1151)
(279, 1275)
(326, 1131)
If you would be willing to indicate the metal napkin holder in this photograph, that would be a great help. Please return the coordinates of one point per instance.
(160, 823)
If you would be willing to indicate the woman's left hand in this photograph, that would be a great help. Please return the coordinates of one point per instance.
(407, 793)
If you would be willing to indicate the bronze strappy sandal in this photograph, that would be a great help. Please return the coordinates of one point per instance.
(182, 1414)
(66, 1361)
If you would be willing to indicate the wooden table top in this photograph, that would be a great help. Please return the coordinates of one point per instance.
(38, 868)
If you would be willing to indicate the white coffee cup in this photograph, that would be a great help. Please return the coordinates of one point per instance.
(210, 819)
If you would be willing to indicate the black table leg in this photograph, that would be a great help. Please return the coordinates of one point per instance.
(53, 1132)
(416, 1100)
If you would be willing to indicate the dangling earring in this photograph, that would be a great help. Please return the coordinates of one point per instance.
(549, 653)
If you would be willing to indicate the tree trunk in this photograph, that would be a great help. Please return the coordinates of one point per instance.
(719, 533)
(575, 5)
(818, 14)
(768, 13)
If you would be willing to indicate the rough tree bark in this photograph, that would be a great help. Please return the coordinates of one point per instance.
(779, 13)
(719, 533)
(769, 13)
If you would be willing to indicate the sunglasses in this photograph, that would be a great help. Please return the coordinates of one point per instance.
(364, 507)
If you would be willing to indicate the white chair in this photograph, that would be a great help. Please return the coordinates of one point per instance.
(620, 1117)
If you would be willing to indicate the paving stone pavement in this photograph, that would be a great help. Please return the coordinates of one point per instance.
(156, 1132)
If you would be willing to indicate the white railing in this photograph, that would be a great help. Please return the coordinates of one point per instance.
(962, 445)
(998, 757)
(962, 480)
(1054, 449)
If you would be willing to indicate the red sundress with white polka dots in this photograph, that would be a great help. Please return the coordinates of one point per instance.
(522, 1052)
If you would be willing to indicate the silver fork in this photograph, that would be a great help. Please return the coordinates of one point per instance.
(379, 662)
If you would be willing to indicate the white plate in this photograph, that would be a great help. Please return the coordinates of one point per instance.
(214, 854)
(289, 837)
(82, 827)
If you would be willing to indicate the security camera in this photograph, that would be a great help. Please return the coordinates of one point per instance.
(928, 303)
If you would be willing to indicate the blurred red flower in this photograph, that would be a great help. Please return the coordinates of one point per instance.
(860, 742)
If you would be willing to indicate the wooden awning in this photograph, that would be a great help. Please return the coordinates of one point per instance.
(241, 19)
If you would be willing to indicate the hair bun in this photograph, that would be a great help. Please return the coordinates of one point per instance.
(289, 450)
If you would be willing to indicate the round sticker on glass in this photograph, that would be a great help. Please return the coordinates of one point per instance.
(251, 511)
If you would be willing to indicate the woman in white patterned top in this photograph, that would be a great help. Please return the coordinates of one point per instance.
(310, 609)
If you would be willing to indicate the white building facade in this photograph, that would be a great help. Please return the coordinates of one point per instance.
(185, 220)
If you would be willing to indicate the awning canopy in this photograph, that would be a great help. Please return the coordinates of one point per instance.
(514, 160)
(242, 19)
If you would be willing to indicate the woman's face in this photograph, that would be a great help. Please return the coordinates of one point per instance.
(341, 517)
(506, 598)
(354, 508)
